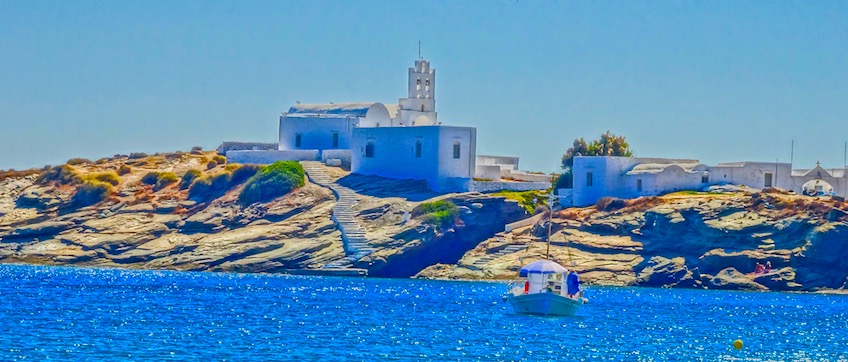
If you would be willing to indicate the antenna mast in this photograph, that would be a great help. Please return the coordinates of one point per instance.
(419, 50)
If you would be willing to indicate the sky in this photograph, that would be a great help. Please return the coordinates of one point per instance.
(718, 81)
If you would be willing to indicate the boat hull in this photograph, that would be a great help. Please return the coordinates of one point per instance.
(544, 304)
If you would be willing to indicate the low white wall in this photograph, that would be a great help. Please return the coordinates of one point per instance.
(343, 155)
(488, 172)
(245, 146)
(566, 197)
(487, 186)
(267, 157)
(530, 177)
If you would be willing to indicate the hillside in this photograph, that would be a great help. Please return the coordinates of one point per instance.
(692, 240)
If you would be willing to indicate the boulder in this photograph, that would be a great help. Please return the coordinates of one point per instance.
(664, 272)
(781, 279)
(731, 279)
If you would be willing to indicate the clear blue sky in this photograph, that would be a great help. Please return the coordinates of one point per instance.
(719, 81)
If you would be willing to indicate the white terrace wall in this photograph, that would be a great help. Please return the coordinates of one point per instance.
(487, 186)
(752, 174)
(245, 146)
(489, 172)
(531, 177)
(504, 162)
(268, 157)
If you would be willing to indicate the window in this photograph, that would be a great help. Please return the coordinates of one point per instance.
(427, 82)
(767, 182)
(639, 185)
(297, 140)
(588, 179)
(418, 81)
(705, 178)
(456, 150)
(335, 140)
(369, 150)
(418, 149)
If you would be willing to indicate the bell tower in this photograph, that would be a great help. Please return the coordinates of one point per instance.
(419, 108)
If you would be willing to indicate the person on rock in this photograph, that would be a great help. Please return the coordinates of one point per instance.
(759, 269)
(573, 284)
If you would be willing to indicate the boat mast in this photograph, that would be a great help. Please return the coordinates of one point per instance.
(550, 219)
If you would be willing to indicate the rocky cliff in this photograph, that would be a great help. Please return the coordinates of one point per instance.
(692, 240)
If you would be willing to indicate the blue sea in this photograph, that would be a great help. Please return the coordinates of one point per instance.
(64, 313)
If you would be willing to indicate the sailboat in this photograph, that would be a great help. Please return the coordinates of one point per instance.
(544, 288)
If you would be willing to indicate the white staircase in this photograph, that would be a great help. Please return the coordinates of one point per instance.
(356, 244)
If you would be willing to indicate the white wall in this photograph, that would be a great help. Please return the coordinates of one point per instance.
(495, 186)
(268, 157)
(488, 172)
(343, 155)
(316, 132)
(394, 153)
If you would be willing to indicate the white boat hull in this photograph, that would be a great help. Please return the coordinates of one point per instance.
(544, 303)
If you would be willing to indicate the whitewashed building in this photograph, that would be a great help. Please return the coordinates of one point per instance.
(629, 177)
(403, 140)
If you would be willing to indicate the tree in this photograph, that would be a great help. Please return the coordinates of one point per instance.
(607, 145)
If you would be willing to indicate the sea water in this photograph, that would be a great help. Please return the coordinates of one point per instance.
(65, 313)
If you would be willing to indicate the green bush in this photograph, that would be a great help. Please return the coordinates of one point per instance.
(150, 178)
(63, 175)
(137, 155)
(272, 181)
(91, 192)
(210, 187)
(565, 180)
(165, 179)
(78, 161)
(188, 178)
(529, 200)
(219, 159)
(109, 177)
(124, 169)
(441, 213)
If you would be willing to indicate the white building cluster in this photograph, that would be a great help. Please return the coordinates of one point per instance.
(629, 177)
(403, 141)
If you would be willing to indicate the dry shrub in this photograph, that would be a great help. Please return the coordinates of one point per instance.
(124, 169)
(18, 174)
(644, 202)
(608, 204)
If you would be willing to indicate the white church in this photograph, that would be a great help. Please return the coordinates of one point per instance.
(402, 141)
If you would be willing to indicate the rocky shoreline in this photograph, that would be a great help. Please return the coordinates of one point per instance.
(686, 240)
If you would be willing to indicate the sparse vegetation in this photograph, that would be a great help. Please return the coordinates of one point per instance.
(188, 178)
(219, 159)
(272, 181)
(164, 179)
(109, 177)
(63, 175)
(211, 165)
(441, 213)
(90, 193)
(18, 174)
(196, 150)
(77, 161)
(137, 155)
(243, 173)
(529, 200)
(150, 178)
(208, 187)
(124, 169)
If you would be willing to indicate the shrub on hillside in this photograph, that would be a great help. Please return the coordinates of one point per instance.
(209, 187)
(211, 165)
(90, 193)
(150, 178)
(188, 178)
(243, 173)
(164, 179)
(124, 169)
(109, 177)
(530, 200)
(63, 175)
(272, 181)
(11, 173)
(77, 161)
(137, 155)
(220, 159)
(441, 213)
(196, 150)
(608, 204)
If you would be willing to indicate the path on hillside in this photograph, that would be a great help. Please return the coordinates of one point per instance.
(356, 244)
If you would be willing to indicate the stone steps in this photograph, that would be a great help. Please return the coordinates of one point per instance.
(356, 243)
